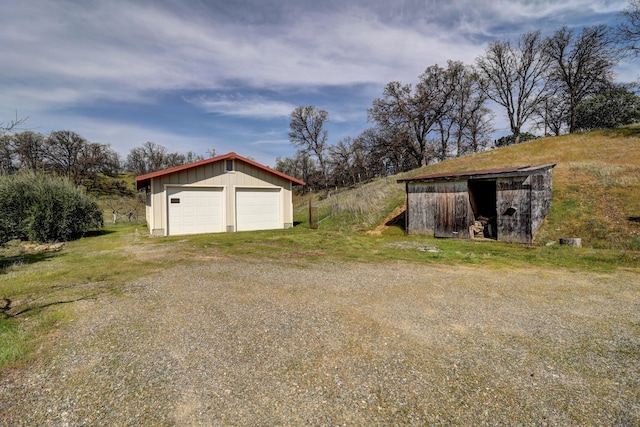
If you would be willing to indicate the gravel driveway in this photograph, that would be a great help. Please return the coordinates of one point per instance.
(236, 342)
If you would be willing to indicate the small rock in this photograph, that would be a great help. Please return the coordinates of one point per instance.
(575, 242)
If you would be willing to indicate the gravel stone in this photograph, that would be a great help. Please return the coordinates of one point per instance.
(240, 342)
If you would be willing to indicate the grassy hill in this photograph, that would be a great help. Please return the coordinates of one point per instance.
(596, 189)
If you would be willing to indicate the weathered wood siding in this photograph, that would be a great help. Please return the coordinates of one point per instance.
(453, 210)
(541, 195)
(443, 207)
(421, 215)
(513, 201)
(440, 209)
(523, 204)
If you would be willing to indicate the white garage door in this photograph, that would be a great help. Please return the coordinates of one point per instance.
(257, 209)
(194, 210)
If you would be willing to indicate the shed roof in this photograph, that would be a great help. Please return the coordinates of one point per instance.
(143, 181)
(480, 174)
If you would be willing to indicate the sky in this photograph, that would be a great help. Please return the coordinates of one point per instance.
(196, 75)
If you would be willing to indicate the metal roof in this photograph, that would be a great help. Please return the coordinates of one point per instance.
(480, 174)
(143, 181)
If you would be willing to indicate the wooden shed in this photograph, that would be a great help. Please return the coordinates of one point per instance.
(507, 204)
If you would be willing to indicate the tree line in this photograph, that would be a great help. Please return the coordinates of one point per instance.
(67, 154)
(558, 84)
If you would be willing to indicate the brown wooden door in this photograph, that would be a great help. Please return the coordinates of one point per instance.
(452, 210)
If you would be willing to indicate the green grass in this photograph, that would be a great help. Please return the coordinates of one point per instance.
(19, 337)
(303, 245)
(14, 342)
(42, 288)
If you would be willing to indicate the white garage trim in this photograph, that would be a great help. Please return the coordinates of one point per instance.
(258, 208)
(194, 210)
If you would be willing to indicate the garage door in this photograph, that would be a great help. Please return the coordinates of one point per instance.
(257, 209)
(194, 210)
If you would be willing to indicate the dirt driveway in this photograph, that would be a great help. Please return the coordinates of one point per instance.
(236, 342)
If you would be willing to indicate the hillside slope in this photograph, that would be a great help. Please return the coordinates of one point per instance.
(596, 187)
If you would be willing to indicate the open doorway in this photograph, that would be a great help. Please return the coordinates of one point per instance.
(482, 195)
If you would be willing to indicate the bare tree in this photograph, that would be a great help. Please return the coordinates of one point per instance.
(628, 31)
(462, 128)
(155, 155)
(124, 207)
(374, 153)
(515, 77)
(191, 156)
(7, 165)
(12, 125)
(478, 129)
(6, 152)
(398, 123)
(553, 115)
(410, 115)
(385, 152)
(581, 64)
(173, 159)
(63, 150)
(29, 149)
(363, 163)
(300, 166)
(462, 102)
(96, 159)
(211, 152)
(306, 131)
(147, 158)
(136, 161)
(341, 163)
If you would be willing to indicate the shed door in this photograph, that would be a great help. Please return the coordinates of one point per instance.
(257, 209)
(194, 210)
(452, 210)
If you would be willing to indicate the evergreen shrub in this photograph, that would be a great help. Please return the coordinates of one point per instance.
(44, 208)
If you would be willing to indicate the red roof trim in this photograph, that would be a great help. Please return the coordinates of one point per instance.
(143, 180)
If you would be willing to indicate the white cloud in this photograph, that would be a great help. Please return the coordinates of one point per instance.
(124, 50)
(242, 106)
(271, 142)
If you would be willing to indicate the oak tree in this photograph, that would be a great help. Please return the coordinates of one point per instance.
(514, 75)
(628, 31)
(581, 64)
(306, 131)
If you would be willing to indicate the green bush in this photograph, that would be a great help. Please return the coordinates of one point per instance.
(43, 208)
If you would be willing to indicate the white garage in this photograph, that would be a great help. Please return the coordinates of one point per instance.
(194, 210)
(225, 193)
(257, 209)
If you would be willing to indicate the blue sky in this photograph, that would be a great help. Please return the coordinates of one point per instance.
(195, 74)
